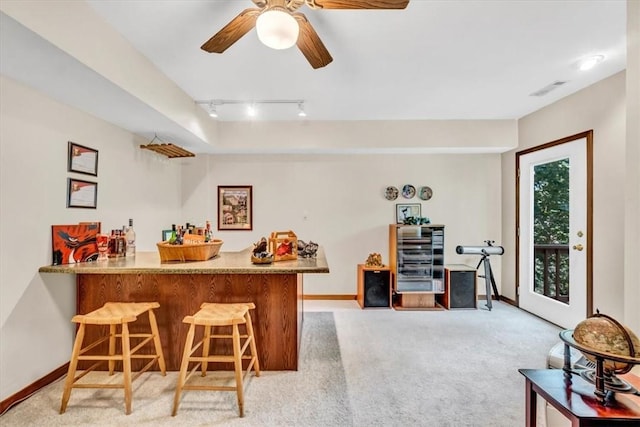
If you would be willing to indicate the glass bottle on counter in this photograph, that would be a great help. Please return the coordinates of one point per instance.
(180, 235)
(121, 244)
(208, 235)
(112, 244)
(174, 236)
(130, 236)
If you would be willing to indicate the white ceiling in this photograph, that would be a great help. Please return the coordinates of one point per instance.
(434, 60)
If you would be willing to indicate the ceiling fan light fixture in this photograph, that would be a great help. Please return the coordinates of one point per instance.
(277, 29)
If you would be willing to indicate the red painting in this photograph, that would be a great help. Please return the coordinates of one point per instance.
(74, 243)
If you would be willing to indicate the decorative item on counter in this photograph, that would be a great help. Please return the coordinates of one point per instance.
(307, 250)
(194, 248)
(416, 220)
(374, 260)
(102, 242)
(260, 255)
(74, 243)
(283, 245)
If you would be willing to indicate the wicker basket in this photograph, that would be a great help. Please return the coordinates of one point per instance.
(189, 252)
(265, 260)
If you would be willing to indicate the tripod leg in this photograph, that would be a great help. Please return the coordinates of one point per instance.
(487, 281)
(493, 283)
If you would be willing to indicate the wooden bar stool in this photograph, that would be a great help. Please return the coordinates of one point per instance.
(114, 314)
(209, 315)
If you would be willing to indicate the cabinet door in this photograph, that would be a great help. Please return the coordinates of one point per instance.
(415, 260)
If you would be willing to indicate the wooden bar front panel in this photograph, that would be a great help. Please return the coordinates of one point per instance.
(277, 319)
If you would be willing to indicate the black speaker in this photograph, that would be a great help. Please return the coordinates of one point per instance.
(462, 289)
(376, 292)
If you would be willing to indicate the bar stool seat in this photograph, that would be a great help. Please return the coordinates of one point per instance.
(114, 314)
(226, 315)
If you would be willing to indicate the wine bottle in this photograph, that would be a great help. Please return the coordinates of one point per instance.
(174, 236)
(207, 232)
(130, 236)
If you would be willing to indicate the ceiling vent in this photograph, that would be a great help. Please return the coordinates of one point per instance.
(545, 90)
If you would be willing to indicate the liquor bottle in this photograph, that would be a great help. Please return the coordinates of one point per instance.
(174, 236)
(112, 244)
(121, 243)
(207, 232)
(130, 236)
(180, 235)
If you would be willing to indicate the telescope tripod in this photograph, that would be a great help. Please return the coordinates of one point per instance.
(488, 278)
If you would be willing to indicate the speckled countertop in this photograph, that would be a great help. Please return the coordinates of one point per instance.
(223, 263)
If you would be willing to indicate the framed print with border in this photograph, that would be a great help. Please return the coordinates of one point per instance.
(406, 210)
(82, 159)
(235, 207)
(81, 194)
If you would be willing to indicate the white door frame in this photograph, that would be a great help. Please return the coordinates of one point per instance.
(588, 136)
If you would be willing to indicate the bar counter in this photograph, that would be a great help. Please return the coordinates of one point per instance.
(180, 288)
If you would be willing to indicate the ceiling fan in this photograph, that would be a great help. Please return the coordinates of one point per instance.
(280, 25)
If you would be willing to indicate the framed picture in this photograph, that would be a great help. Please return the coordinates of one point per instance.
(406, 210)
(235, 207)
(81, 194)
(74, 243)
(82, 159)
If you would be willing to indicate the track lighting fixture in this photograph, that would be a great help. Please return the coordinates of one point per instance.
(212, 110)
(301, 112)
(213, 106)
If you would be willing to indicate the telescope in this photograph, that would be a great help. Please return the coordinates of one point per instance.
(485, 252)
(480, 250)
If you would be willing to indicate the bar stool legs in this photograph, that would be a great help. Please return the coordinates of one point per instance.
(114, 314)
(210, 315)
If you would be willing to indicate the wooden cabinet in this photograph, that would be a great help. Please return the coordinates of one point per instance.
(416, 254)
(460, 287)
(374, 286)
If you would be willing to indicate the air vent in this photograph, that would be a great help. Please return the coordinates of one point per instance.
(545, 90)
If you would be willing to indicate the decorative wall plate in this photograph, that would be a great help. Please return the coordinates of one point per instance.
(425, 193)
(391, 193)
(408, 191)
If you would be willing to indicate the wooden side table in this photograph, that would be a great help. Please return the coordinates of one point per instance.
(574, 398)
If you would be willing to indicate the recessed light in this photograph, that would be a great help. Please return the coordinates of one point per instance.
(590, 62)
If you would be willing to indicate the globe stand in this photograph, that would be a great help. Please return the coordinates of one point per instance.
(606, 382)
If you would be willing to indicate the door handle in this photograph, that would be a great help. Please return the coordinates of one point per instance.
(578, 247)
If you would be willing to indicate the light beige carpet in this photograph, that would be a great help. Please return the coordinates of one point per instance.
(358, 368)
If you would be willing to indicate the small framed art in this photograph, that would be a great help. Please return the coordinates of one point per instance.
(406, 210)
(81, 194)
(82, 159)
(235, 207)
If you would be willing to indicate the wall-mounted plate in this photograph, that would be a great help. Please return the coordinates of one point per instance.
(391, 193)
(425, 193)
(408, 191)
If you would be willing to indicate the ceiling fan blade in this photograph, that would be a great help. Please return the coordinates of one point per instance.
(310, 44)
(358, 4)
(233, 31)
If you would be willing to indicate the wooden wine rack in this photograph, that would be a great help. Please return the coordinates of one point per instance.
(169, 150)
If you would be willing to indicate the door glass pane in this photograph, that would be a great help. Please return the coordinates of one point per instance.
(551, 229)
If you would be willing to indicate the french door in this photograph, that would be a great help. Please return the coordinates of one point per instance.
(554, 225)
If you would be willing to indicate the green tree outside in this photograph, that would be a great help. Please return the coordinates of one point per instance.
(551, 225)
